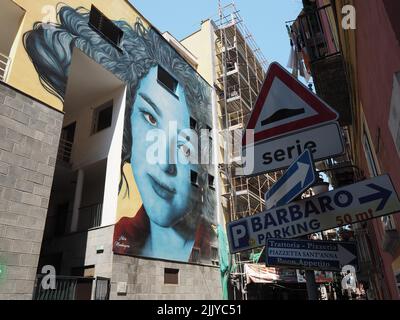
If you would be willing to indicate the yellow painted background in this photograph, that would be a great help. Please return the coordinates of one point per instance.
(23, 75)
(128, 205)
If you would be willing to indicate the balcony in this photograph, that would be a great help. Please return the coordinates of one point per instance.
(64, 151)
(318, 36)
(73, 288)
(90, 217)
(5, 63)
(11, 16)
(391, 237)
(343, 174)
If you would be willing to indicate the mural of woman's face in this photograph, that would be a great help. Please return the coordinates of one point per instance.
(164, 187)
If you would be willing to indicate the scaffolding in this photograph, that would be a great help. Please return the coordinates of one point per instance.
(240, 72)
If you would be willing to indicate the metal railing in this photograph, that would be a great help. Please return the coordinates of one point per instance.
(317, 31)
(90, 217)
(5, 63)
(64, 151)
(72, 288)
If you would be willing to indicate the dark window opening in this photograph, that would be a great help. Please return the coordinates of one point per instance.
(86, 271)
(214, 255)
(66, 143)
(194, 176)
(193, 124)
(61, 219)
(105, 26)
(171, 276)
(103, 117)
(392, 10)
(211, 181)
(68, 132)
(195, 255)
(167, 80)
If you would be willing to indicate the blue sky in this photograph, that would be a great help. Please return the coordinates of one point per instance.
(264, 18)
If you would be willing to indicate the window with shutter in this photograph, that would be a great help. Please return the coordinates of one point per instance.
(105, 26)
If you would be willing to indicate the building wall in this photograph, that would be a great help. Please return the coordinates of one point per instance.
(106, 145)
(91, 248)
(29, 134)
(145, 280)
(80, 249)
(201, 45)
(378, 58)
(23, 75)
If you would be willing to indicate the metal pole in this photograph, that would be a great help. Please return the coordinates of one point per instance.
(312, 289)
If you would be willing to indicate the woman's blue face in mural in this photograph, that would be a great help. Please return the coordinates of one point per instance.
(164, 187)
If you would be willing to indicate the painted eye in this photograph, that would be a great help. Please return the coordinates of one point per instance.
(150, 119)
(185, 150)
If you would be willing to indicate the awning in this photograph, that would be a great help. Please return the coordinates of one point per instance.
(259, 273)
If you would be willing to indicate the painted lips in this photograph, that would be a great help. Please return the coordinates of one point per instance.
(161, 189)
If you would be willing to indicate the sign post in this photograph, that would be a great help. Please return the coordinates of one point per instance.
(361, 201)
(311, 254)
(287, 119)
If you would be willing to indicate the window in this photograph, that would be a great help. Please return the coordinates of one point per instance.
(61, 219)
(394, 115)
(388, 223)
(392, 10)
(194, 178)
(105, 26)
(211, 181)
(102, 117)
(193, 124)
(214, 255)
(66, 143)
(86, 271)
(167, 80)
(171, 276)
(370, 158)
(195, 255)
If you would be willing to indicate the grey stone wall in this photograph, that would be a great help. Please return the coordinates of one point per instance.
(29, 136)
(145, 280)
(81, 249)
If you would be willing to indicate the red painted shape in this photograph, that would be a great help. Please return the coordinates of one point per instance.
(324, 112)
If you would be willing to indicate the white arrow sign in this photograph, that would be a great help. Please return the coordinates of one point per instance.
(345, 256)
(299, 177)
(311, 254)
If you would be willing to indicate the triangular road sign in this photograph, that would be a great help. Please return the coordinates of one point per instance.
(285, 105)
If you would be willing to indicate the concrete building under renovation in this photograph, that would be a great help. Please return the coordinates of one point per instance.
(229, 59)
